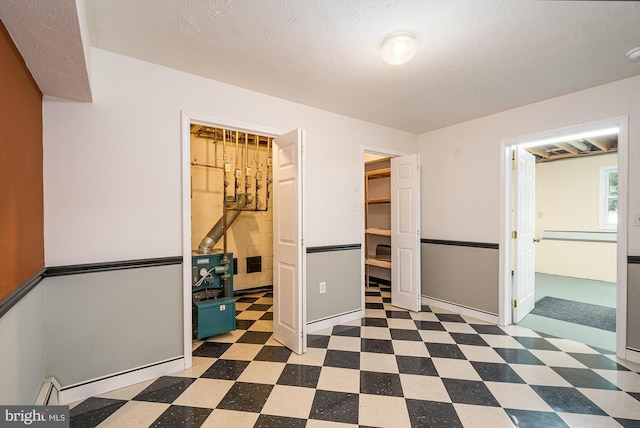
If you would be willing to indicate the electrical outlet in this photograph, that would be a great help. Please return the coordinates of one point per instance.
(323, 287)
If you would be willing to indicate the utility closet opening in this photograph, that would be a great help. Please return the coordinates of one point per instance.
(231, 231)
(377, 211)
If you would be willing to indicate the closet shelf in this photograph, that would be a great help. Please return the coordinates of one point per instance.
(379, 201)
(379, 173)
(379, 263)
(377, 231)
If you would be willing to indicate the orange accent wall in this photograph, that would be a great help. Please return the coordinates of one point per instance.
(21, 204)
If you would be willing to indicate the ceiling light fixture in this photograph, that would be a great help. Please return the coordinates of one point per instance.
(399, 48)
(634, 54)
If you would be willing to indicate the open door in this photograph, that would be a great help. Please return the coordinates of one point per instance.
(525, 197)
(405, 232)
(288, 290)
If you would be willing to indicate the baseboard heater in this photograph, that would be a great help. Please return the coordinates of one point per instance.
(49, 393)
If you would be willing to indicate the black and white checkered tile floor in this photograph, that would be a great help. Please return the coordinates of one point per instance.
(391, 369)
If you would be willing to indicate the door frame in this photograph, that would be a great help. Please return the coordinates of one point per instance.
(216, 122)
(382, 151)
(506, 200)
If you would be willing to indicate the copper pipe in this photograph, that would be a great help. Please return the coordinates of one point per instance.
(237, 173)
(246, 167)
(258, 172)
(225, 259)
(256, 157)
(236, 152)
(269, 169)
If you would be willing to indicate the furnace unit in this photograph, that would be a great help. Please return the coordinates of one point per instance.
(214, 309)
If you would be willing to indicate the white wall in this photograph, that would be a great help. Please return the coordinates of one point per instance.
(568, 193)
(461, 163)
(461, 166)
(567, 199)
(112, 169)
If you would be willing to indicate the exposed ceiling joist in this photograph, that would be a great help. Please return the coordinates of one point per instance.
(601, 143)
(575, 148)
(539, 151)
(568, 148)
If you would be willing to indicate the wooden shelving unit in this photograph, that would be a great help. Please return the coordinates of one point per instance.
(385, 264)
(377, 215)
(379, 201)
(378, 173)
(377, 231)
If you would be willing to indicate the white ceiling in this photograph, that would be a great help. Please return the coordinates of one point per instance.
(475, 57)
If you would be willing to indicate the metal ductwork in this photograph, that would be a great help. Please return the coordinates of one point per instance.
(217, 231)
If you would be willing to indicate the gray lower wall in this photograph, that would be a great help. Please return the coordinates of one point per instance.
(23, 349)
(467, 276)
(99, 324)
(633, 303)
(341, 271)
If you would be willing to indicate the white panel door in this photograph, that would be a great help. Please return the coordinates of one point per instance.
(288, 291)
(524, 272)
(405, 232)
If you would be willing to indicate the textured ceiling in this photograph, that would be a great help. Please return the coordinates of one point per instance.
(48, 35)
(475, 57)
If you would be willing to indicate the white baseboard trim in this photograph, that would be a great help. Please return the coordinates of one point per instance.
(632, 355)
(333, 321)
(462, 310)
(98, 386)
(49, 394)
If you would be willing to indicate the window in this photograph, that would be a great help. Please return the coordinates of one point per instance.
(609, 197)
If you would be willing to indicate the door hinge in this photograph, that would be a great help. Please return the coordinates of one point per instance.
(514, 303)
(514, 234)
(512, 273)
(302, 242)
(514, 163)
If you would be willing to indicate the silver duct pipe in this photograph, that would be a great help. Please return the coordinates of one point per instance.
(217, 231)
(579, 145)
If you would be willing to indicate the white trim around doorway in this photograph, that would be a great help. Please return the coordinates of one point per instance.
(505, 256)
(187, 119)
(376, 151)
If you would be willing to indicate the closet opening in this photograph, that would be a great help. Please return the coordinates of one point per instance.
(391, 235)
(377, 219)
(231, 234)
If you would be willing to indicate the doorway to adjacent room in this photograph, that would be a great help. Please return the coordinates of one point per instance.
(565, 240)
